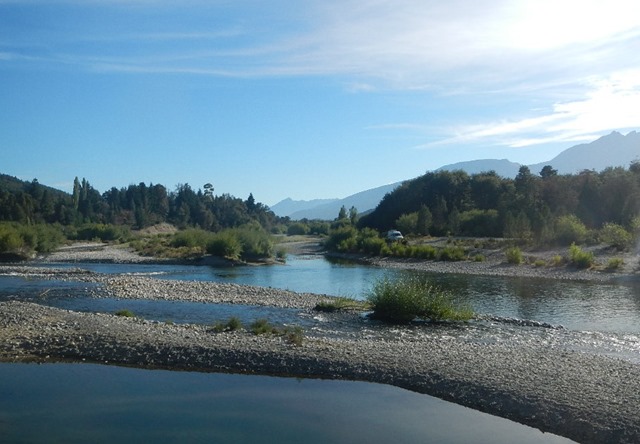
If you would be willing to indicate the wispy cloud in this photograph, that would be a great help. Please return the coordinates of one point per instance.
(609, 104)
(575, 56)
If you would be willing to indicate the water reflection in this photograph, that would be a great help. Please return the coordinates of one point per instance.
(92, 403)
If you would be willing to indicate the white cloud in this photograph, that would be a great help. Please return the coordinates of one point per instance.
(609, 104)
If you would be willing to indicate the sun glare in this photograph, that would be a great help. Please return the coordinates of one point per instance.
(549, 24)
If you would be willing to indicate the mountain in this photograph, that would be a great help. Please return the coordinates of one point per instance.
(611, 150)
(608, 151)
(289, 206)
(362, 201)
(503, 167)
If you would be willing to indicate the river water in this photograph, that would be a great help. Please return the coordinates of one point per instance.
(597, 318)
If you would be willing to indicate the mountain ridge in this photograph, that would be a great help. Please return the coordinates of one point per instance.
(612, 150)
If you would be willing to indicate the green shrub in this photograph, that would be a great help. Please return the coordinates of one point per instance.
(125, 313)
(569, 229)
(615, 263)
(262, 326)
(341, 303)
(256, 242)
(425, 252)
(281, 254)
(557, 261)
(342, 239)
(407, 223)
(616, 236)
(453, 254)
(232, 324)
(16, 238)
(408, 298)
(104, 232)
(479, 258)
(539, 263)
(580, 258)
(298, 228)
(10, 239)
(514, 256)
(295, 335)
(224, 244)
(191, 238)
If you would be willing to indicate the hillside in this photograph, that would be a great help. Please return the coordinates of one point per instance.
(608, 151)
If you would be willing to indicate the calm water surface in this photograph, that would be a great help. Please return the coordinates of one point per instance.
(81, 403)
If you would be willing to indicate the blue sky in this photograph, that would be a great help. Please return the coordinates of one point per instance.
(305, 99)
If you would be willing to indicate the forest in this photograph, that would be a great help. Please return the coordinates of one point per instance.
(35, 217)
(136, 206)
(544, 208)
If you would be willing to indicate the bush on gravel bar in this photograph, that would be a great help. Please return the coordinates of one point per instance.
(412, 297)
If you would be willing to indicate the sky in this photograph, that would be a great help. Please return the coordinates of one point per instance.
(305, 98)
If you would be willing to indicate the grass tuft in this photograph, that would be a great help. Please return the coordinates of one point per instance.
(341, 304)
(405, 299)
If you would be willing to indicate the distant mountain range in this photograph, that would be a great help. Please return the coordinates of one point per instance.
(612, 150)
(328, 210)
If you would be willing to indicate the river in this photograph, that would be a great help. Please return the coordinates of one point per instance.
(597, 318)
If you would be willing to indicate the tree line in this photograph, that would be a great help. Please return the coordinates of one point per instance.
(536, 207)
(135, 206)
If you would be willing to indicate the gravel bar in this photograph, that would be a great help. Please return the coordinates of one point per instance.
(583, 397)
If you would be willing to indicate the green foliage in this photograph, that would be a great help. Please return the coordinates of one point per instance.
(281, 254)
(342, 239)
(580, 258)
(125, 314)
(232, 324)
(262, 326)
(480, 223)
(616, 236)
(191, 238)
(256, 242)
(319, 228)
(514, 255)
(408, 298)
(557, 261)
(10, 239)
(293, 335)
(103, 232)
(453, 254)
(569, 229)
(341, 304)
(408, 223)
(25, 239)
(298, 228)
(615, 263)
(224, 244)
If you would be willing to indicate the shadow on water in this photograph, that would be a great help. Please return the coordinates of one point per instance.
(79, 403)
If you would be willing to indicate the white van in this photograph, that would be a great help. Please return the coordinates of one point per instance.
(394, 235)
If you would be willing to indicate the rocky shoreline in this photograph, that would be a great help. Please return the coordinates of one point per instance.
(582, 396)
